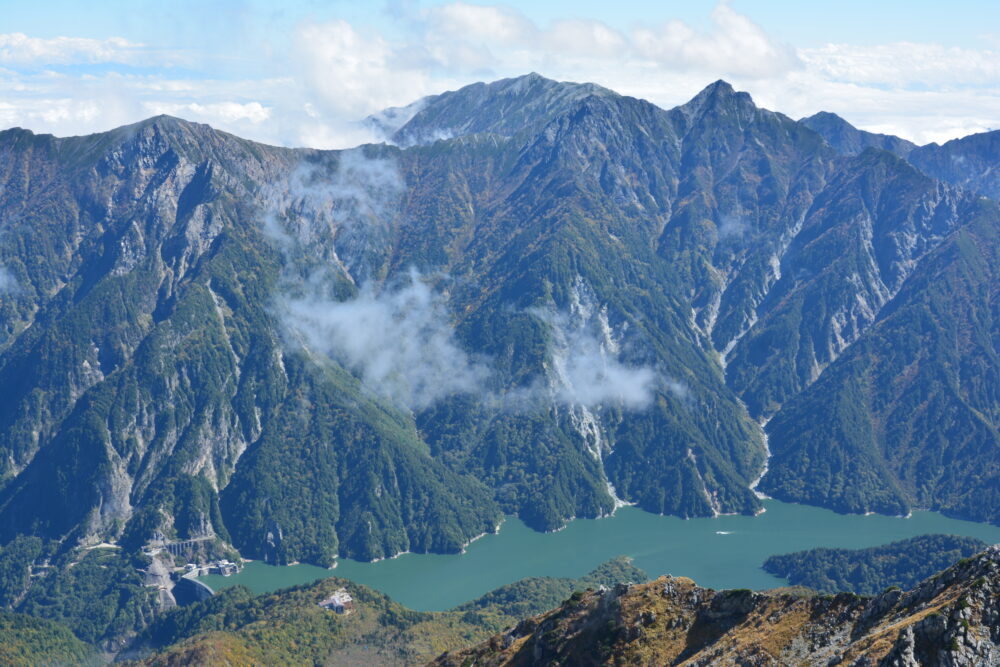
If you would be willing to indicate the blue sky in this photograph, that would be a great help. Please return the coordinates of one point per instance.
(187, 23)
(300, 73)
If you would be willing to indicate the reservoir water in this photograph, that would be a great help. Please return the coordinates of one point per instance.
(724, 552)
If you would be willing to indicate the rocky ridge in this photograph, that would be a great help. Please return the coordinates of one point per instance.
(952, 618)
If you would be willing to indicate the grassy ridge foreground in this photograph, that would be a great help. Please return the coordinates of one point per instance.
(288, 627)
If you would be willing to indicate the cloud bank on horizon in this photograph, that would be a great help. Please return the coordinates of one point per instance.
(311, 79)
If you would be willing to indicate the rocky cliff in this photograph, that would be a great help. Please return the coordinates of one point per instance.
(547, 300)
(952, 618)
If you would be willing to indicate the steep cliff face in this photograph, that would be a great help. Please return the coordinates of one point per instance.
(153, 361)
(861, 239)
(908, 413)
(549, 299)
(950, 619)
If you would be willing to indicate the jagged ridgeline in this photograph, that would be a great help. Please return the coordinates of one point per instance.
(544, 299)
(951, 618)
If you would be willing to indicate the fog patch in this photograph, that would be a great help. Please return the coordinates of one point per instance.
(677, 388)
(585, 365)
(732, 227)
(400, 342)
(587, 370)
(331, 227)
(325, 218)
(8, 283)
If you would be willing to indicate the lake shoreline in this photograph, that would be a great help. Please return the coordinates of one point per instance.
(717, 552)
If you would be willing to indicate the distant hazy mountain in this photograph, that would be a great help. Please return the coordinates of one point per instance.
(847, 139)
(546, 299)
(971, 162)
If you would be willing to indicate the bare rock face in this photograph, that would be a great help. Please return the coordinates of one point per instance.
(952, 618)
(190, 340)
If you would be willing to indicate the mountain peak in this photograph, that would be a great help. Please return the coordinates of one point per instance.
(718, 97)
(505, 107)
(720, 87)
(716, 94)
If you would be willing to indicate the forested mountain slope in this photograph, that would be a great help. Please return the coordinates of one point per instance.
(546, 300)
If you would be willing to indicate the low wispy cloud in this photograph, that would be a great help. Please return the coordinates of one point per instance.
(8, 283)
(589, 373)
(732, 227)
(397, 337)
(19, 49)
(330, 216)
(400, 342)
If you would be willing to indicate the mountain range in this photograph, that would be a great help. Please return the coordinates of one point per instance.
(535, 298)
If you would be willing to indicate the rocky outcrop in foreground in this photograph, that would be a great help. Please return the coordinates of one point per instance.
(952, 618)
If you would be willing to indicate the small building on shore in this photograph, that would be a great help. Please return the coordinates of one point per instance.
(340, 602)
(223, 567)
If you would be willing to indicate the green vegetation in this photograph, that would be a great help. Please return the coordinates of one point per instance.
(528, 597)
(152, 384)
(26, 641)
(94, 594)
(16, 560)
(288, 627)
(907, 416)
(870, 571)
(100, 597)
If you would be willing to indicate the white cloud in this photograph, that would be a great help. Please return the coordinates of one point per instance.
(213, 112)
(904, 65)
(494, 24)
(335, 73)
(580, 37)
(19, 49)
(400, 342)
(588, 373)
(734, 46)
(353, 75)
(8, 283)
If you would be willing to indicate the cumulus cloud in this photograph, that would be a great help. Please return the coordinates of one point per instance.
(353, 74)
(333, 73)
(584, 37)
(493, 24)
(735, 45)
(213, 112)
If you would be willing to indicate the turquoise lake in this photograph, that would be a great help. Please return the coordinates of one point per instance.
(724, 552)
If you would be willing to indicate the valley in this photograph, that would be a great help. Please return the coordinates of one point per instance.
(694, 337)
(722, 552)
